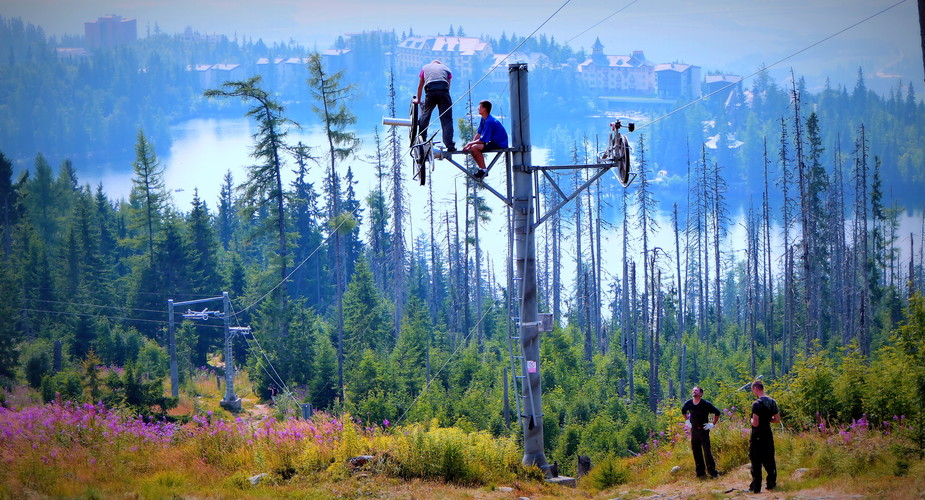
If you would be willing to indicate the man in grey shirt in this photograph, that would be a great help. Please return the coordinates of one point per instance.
(435, 82)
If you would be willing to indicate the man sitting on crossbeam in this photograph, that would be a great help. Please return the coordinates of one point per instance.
(490, 136)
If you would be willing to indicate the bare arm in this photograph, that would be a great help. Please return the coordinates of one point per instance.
(420, 88)
(776, 418)
(754, 420)
(715, 418)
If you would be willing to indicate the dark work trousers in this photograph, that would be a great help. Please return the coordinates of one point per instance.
(700, 445)
(440, 99)
(761, 452)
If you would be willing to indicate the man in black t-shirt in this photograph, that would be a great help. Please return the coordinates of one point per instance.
(761, 451)
(697, 412)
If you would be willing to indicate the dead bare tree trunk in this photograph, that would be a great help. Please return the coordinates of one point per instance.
(861, 244)
(769, 272)
(677, 253)
(719, 219)
(784, 182)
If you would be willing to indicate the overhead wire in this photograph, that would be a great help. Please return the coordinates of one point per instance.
(323, 243)
(498, 65)
(278, 380)
(766, 67)
(450, 357)
(77, 304)
(601, 21)
(117, 318)
(299, 266)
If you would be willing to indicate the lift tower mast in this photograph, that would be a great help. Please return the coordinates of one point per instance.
(525, 264)
(521, 199)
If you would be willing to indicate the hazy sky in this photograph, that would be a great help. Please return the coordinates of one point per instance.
(728, 35)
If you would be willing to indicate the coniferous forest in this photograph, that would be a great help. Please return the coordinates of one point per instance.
(353, 311)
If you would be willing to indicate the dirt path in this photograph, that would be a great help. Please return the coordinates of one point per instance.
(733, 484)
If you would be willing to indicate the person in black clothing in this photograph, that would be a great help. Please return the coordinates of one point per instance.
(697, 412)
(761, 451)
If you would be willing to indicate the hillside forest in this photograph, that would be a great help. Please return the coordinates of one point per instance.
(352, 311)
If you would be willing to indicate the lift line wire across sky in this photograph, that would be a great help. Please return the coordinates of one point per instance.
(448, 359)
(766, 67)
(278, 380)
(595, 25)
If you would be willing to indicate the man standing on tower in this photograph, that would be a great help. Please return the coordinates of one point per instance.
(697, 412)
(435, 82)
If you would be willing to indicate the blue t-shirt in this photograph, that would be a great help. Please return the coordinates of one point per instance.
(491, 130)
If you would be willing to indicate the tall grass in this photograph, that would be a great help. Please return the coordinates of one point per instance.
(855, 451)
(68, 450)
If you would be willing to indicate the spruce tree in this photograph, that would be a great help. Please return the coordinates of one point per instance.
(331, 108)
(264, 185)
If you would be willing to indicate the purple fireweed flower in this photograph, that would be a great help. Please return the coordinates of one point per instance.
(845, 435)
(385, 422)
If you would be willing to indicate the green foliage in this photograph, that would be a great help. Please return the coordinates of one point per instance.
(608, 473)
(148, 197)
(410, 349)
(65, 384)
(602, 437)
(324, 370)
(152, 360)
(849, 386)
(811, 390)
(449, 454)
(910, 338)
(37, 358)
(367, 320)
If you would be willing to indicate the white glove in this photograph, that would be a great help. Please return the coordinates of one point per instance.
(708, 426)
(687, 423)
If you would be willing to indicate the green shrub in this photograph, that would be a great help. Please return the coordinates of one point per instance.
(66, 384)
(609, 472)
(37, 365)
(601, 437)
(729, 446)
(635, 432)
(152, 360)
(449, 454)
(810, 390)
(850, 385)
(239, 481)
(567, 448)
